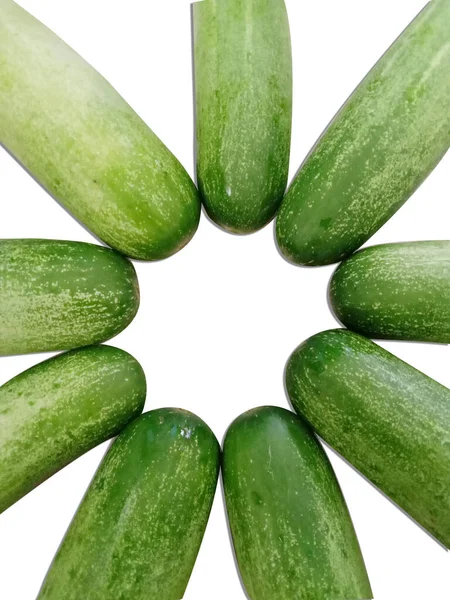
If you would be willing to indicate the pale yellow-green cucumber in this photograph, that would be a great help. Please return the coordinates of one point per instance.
(79, 138)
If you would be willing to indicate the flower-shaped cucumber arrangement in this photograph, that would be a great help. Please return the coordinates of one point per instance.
(138, 530)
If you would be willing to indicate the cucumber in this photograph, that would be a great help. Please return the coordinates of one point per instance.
(61, 295)
(396, 291)
(74, 133)
(292, 533)
(387, 419)
(243, 90)
(379, 148)
(61, 408)
(139, 528)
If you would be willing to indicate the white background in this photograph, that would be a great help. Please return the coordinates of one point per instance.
(219, 320)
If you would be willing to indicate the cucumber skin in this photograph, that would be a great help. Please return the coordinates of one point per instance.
(243, 85)
(387, 419)
(279, 484)
(396, 291)
(61, 408)
(57, 295)
(74, 133)
(377, 151)
(160, 474)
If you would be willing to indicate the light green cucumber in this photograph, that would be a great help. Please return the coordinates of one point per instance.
(382, 144)
(61, 408)
(387, 419)
(292, 533)
(139, 528)
(243, 85)
(61, 295)
(74, 133)
(396, 291)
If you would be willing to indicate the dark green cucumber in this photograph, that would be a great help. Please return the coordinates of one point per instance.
(80, 139)
(243, 85)
(383, 143)
(387, 419)
(396, 291)
(139, 528)
(292, 533)
(62, 295)
(61, 408)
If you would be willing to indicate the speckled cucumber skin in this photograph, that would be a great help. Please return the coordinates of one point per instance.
(57, 295)
(387, 419)
(396, 291)
(292, 533)
(243, 84)
(139, 528)
(379, 148)
(61, 408)
(78, 137)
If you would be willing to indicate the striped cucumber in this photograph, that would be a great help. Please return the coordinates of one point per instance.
(396, 291)
(243, 85)
(61, 408)
(387, 419)
(139, 528)
(61, 295)
(86, 146)
(379, 148)
(291, 529)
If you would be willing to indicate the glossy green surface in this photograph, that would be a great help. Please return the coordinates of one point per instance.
(74, 133)
(138, 530)
(61, 408)
(387, 419)
(396, 291)
(61, 295)
(292, 532)
(243, 84)
(379, 148)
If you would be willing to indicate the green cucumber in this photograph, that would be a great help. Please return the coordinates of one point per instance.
(61, 408)
(292, 533)
(383, 143)
(61, 295)
(139, 528)
(387, 419)
(243, 89)
(396, 291)
(74, 133)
